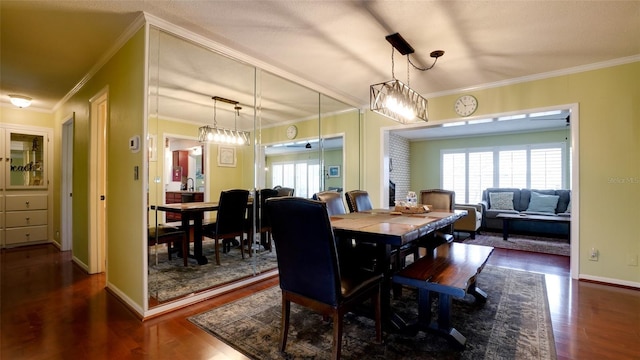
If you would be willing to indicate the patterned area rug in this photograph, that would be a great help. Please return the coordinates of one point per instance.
(554, 246)
(514, 323)
(170, 279)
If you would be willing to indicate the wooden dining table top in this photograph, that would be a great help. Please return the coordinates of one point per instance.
(393, 228)
(191, 206)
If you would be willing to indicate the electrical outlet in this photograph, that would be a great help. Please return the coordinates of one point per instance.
(594, 254)
(633, 260)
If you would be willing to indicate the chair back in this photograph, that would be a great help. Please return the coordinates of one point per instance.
(358, 200)
(263, 195)
(333, 199)
(439, 199)
(305, 247)
(284, 191)
(232, 211)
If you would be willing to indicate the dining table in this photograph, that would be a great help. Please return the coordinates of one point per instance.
(390, 230)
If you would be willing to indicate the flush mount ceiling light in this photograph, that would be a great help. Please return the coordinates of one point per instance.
(20, 100)
(393, 98)
(219, 135)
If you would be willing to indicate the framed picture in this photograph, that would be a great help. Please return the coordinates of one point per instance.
(334, 171)
(226, 156)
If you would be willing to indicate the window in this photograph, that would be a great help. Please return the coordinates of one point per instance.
(303, 176)
(469, 171)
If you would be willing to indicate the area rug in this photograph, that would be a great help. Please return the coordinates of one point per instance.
(554, 246)
(170, 279)
(514, 323)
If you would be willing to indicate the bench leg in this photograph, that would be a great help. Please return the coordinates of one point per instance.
(443, 326)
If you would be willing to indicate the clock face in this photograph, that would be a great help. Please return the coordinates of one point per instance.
(466, 105)
(292, 131)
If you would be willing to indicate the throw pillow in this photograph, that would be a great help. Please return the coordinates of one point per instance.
(501, 200)
(569, 207)
(543, 203)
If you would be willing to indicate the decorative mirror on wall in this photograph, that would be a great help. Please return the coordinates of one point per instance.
(183, 78)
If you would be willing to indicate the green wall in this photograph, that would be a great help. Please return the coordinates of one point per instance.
(425, 155)
(124, 76)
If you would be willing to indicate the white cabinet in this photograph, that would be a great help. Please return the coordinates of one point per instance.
(25, 195)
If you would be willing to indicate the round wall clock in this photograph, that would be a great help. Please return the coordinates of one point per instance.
(466, 105)
(292, 132)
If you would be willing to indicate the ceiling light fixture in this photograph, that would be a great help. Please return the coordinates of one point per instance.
(219, 135)
(395, 99)
(20, 100)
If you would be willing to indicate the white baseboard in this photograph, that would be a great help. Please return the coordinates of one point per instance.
(610, 281)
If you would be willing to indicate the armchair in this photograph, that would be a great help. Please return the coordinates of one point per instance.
(470, 223)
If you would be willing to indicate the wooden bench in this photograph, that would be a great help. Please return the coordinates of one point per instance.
(450, 271)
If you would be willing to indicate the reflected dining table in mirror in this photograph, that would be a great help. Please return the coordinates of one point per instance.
(192, 215)
(390, 230)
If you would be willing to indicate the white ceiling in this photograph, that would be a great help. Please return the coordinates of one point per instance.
(48, 46)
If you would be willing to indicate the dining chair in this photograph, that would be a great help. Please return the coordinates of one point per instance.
(310, 271)
(262, 223)
(165, 234)
(284, 191)
(333, 199)
(173, 236)
(230, 221)
(438, 199)
(358, 200)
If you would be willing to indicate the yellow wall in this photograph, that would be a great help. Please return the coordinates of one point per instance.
(124, 75)
(609, 154)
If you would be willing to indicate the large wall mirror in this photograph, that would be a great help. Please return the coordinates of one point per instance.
(298, 140)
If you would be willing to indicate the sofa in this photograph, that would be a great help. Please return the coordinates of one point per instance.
(526, 201)
(470, 223)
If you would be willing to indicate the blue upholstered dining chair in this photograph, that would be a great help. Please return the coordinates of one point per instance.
(358, 200)
(311, 273)
(230, 221)
(333, 199)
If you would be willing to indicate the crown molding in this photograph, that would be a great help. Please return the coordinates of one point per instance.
(136, 25)
(541, 76)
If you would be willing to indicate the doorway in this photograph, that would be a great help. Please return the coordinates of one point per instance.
(97, 183)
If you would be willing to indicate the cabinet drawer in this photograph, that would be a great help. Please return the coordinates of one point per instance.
(26, 234)
(26, 202)
(26, 218)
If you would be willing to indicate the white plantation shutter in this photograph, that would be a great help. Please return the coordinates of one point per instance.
(454, 173)
(470, 171)
(546, 168)
(303, 176)
(480, 175)
(512, 168)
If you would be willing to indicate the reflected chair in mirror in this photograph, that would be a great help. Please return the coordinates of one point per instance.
(169, 235)
(262, 223)
(358, 200)
(311, 271)
(230, 221)
(333, 199)
(438, 199)
(284, 191)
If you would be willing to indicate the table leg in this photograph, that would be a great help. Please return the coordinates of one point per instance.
(197, 239)
(505, 228)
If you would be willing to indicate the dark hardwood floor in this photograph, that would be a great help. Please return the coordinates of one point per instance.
(51, 309)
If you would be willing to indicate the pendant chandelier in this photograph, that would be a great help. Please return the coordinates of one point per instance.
(220, 135)
(393, 98)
